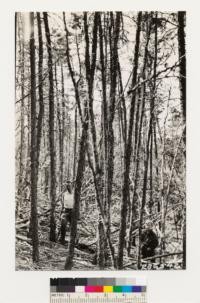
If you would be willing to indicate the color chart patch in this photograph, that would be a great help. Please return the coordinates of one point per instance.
(98, 290)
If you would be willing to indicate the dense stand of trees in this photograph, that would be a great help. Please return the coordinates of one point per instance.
(101, 102)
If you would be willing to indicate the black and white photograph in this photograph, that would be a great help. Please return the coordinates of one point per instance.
(100, 140)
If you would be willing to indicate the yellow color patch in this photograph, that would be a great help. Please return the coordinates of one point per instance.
(108, 289)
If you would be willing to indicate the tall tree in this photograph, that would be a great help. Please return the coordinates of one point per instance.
(103, 226)
(40, 87)
(128, 151)
(62, 136)
(152, 112)
(34, 216)
(147, 150)
(114, 29)
(104, 149)
(52, 235)
(81, 158)
(90, 65)
(182, 60)
(22, 127)
(137, 162)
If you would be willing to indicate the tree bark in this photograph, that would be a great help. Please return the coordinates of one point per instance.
(182, 59)
(40, 88)
(63, 130)
(114, 30)
(90, 70)
(60, 131)
(147, 151)
(81, 160)
(52, 235)
(34, 215)
(128, 151)
(22, 133)
(139, 142)
(77, 191)
(153, 114)
(75, 142)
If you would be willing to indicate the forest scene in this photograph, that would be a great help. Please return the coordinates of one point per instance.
(100, 133)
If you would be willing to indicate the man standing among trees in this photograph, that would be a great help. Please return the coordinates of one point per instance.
(66, 215)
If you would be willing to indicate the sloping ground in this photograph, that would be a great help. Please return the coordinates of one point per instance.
(52, 257)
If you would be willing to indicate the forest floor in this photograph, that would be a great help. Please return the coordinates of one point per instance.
(53, 255)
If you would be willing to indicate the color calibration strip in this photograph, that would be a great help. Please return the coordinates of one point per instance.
(97, 285)
(98, 290)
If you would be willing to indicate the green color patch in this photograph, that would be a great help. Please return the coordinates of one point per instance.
(117, 288)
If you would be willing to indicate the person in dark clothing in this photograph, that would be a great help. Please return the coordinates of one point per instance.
(149, 241)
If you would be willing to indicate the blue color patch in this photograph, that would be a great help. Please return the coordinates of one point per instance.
(127, 288)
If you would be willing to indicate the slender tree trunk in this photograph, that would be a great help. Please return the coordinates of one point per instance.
(59, 123)
(75, 141)
(101, 237)
(137, 123)
(182, 58)
(128, 151)
(90, 70)
(162, 182)
(151, 173)
(153, 118)
(105, 107)
(28, 150)
(123, 105)
(52, 235)
(40, 87)
(77, 192)
(22, 134)
(62, 138)
(81, 159)
(105, 230)
(184, 237)
(114, 39)
(149, 139)
(144, 190)
(134, 205)
(69, 150)
(155, 146)
(34, 216)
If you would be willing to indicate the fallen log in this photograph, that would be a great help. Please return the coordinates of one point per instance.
(162, 256)
(134, 262)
